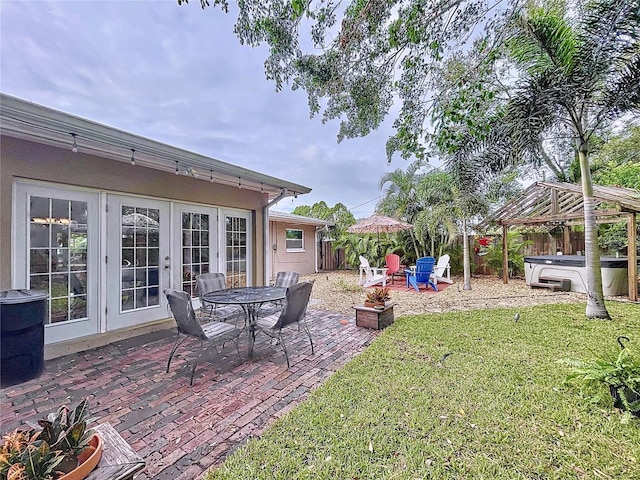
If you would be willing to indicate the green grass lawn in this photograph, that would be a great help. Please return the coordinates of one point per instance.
(496, 407)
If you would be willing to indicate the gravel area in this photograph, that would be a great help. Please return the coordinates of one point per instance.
(339, 292)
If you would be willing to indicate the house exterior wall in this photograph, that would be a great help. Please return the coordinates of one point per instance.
(302, 262)
(21, 159)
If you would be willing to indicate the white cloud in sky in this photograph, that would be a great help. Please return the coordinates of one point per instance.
(178, 74)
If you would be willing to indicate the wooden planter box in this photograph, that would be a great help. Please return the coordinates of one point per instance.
(374, 318)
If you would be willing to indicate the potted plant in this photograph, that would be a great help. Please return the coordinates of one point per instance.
(377, 298)
(619, 371)
(376, 312)
(23, 456)
(62, 449)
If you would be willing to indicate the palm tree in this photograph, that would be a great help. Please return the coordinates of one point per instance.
(438, 219)
(581, 71)
(401, 199)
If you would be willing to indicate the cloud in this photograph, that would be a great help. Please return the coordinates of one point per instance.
(180, 76)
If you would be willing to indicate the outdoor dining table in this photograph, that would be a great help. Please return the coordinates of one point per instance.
(251, 299)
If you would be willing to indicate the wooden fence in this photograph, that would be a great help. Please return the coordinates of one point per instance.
(543, 244)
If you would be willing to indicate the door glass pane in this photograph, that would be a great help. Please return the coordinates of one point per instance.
(58, 252)
(236, 266)
(194, 233)
(139, 258)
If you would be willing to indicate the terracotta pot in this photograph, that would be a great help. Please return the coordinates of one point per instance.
(86, 467)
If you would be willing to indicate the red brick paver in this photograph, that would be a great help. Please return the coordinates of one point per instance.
(182, 431)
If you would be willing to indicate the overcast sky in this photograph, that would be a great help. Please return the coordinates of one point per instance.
(178, 74)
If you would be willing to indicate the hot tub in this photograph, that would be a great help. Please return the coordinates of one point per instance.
(615, 280)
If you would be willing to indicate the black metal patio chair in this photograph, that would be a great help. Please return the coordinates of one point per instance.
(189, 327)
(294, 312)
(283, 279)
(286, 279)
(213, 282)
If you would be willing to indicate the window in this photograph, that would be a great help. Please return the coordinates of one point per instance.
(294, 240)
(58, 239)
(140, 257)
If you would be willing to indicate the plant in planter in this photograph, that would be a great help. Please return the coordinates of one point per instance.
(378, 297)
(619, 371)
(24, 457)
(66, 431)
(62, 445)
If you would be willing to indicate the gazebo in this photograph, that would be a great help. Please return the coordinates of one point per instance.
(554, 203)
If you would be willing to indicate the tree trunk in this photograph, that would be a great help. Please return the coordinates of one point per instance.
(465, 255)
(550, 162)
(415, 243)
(595, 296)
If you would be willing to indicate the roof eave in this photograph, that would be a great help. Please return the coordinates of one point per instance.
(40, 124)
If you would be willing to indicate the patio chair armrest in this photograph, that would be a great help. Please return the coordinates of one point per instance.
(379, 270)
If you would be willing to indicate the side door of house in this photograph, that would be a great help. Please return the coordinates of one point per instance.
(55, 249)
(138, 260)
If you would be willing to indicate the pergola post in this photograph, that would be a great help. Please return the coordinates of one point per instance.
(632, 260)
(505, 255)
(566, 237)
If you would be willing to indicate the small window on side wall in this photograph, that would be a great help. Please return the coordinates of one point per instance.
(294, 240)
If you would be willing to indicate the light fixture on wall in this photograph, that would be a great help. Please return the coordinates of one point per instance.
(133, 158)
(239, 182)
(177, 170)
(261, 187)
(74, 147)
(211, 176)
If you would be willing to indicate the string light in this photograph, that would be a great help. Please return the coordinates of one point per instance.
(133, 158)
(177, 171)
(74, 147)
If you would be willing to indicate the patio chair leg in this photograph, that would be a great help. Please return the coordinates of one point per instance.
(236, 340)
(197, 360)
(175, 347)
(284, 347)
(306, 328)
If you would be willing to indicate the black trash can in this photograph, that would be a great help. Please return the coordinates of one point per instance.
(22, 315)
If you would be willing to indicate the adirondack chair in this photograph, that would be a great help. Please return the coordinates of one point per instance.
(439, 270)
(424, 269)
(393, 267)
(370, 276)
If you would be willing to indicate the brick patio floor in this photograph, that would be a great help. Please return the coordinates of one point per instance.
(182, 431)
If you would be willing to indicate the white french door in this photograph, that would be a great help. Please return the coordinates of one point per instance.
(195, 246)
(138, 260)
(105, 259)
(236, 256)
(56, 251)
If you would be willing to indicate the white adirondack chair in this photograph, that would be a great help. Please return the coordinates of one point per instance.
(442, 270)
(370, 276)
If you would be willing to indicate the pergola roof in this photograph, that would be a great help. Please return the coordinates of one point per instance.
(554, 202)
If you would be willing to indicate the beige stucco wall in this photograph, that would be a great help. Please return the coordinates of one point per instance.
(281, 260)
(20, 159)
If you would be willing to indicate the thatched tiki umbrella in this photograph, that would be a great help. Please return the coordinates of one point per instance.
(378, 223)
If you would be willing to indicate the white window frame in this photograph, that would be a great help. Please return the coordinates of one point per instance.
(297, 249)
